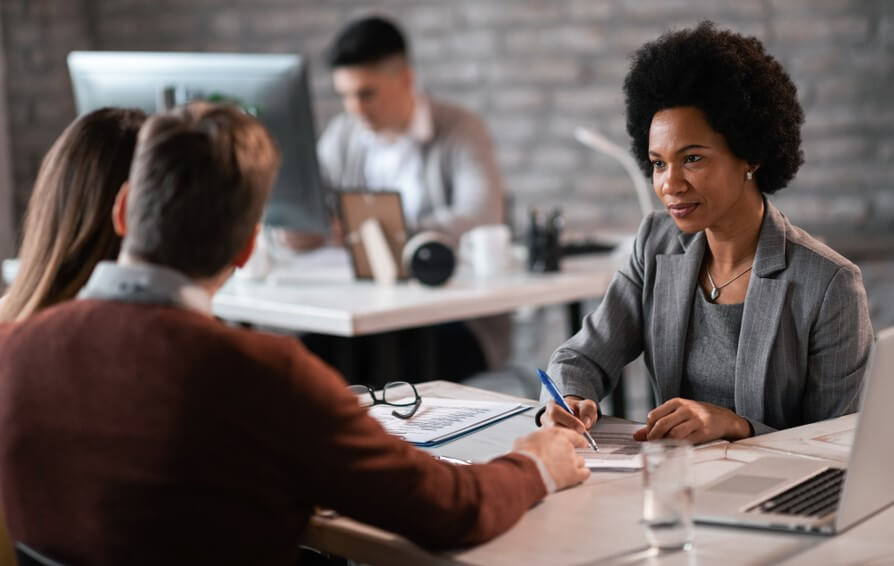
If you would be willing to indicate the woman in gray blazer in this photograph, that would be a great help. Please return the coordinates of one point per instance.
(747, 323)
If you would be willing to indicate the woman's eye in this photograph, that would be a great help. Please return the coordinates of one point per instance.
(657, 164)
(692, 158)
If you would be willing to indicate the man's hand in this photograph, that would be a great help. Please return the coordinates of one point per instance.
(336, 235)
(693, 420)
(555, 448)
(306, 241)
(298, 241)
(585, 414)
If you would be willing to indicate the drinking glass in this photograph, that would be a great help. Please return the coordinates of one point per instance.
(667, 494)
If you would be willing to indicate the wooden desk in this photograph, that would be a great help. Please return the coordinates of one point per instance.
(598, 522)
(317, 293)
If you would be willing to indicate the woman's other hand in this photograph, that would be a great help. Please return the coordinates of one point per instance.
(694, 421)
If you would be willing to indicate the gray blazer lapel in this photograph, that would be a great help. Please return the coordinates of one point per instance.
(760, 317)
(675, 279)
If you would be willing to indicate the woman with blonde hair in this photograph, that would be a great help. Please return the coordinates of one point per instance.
(68, 223)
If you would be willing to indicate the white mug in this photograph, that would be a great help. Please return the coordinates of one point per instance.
(488, 249)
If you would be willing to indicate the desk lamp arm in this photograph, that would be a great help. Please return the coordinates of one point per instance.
(596, 141)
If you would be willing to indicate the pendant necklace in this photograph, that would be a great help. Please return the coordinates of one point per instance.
(715, 289)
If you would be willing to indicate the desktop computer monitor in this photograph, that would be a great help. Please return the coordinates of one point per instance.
(272, 87)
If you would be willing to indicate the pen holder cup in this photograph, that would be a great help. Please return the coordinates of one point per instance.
(544, 252)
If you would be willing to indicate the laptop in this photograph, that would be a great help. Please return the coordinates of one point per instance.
(808, 495)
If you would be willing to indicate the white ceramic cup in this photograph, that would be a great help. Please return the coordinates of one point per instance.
(488, 249)
(667, 494)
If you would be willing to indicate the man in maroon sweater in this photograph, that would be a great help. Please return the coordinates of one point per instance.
(137, 429)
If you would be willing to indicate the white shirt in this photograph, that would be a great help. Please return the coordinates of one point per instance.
(395, 162)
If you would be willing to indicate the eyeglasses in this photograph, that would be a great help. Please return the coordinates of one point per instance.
(395, 393)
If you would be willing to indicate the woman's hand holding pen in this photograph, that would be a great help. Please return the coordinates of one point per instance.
(693, 420)
(585, 414)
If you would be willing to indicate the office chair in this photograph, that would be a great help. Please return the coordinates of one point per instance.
(27, 556)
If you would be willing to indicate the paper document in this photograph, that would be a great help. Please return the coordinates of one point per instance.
(439, 420)
(604, 460)
(617, 448)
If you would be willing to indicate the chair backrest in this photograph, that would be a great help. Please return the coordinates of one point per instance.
(27, 556)
(885, 338)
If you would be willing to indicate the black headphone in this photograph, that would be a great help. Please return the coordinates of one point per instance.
(429, 257)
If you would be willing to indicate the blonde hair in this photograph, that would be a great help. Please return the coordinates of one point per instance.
(68, 223)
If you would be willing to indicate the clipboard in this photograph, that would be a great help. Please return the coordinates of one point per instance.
(355, 207)
(438, 420)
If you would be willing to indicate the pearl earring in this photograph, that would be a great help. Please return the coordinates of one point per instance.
(749, 175)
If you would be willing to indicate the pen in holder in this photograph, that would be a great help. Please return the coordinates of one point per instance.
(544, 253)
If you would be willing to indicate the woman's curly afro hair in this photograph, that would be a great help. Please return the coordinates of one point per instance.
(744, 93)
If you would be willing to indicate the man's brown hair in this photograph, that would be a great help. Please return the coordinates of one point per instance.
(200, 178)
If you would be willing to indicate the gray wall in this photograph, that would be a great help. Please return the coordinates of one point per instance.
(535, 69)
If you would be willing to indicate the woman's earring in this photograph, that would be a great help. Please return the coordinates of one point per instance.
(749, 175)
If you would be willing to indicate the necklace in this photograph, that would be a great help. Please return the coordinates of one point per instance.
(715, 289)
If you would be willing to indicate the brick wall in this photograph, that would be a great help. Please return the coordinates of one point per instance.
(534, 68)
(37, 36)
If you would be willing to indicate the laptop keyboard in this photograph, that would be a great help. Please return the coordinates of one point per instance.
(813, 497)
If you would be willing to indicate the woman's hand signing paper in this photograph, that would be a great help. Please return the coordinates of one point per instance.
(584, 417)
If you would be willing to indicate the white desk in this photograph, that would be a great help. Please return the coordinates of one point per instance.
(827, 440)
(317, 293)
(598, 522)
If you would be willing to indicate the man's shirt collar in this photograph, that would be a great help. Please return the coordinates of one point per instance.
(420, 130)
(145, 283)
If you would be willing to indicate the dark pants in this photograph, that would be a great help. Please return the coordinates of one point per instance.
(446, 351)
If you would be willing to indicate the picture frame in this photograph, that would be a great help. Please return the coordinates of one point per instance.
(354, 208)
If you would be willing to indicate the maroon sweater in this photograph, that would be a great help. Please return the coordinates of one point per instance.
(145, 434)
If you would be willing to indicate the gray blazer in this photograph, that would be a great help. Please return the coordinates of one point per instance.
(805, 335)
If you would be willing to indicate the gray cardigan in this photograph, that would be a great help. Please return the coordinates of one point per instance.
(463, 189)
(805, 335)
(462, 180)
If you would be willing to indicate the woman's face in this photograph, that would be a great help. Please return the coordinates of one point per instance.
(694, 173)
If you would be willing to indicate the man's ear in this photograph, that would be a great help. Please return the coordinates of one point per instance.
(119, 209)
(247, 249)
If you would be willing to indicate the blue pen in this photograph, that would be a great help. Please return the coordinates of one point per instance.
(554, 391)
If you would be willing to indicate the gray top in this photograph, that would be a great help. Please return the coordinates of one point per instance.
(805, 335)
(711, 345)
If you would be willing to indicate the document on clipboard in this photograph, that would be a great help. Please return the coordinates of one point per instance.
(618, 451)
(440, 420)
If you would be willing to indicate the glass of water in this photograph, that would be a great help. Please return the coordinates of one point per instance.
(667, 494)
